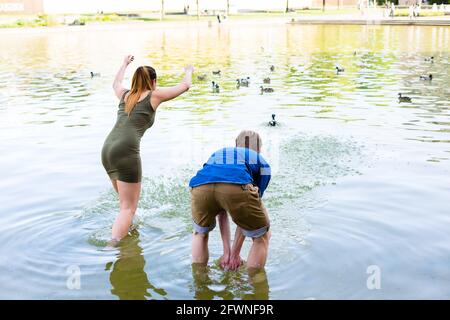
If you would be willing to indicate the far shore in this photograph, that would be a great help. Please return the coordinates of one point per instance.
(311, 16)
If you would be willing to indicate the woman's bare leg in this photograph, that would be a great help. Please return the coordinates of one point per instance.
(128, 197)
(114, 183)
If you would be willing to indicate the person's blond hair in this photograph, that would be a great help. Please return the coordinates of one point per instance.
(143, 80)
(249, 139)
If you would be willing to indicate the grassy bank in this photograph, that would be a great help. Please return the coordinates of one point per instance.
(9, 21)
(32, 21)
(57, 20)
(423, 13)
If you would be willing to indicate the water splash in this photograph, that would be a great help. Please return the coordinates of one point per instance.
(306, 162)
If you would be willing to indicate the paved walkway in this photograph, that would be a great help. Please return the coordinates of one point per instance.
(375, 17)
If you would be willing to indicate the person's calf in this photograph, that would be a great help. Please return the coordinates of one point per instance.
(122, 224)
(200, 254)
(258, 252)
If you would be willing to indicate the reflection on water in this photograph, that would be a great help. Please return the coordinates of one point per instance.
(128, 278)
(212, 283)
(359, 178)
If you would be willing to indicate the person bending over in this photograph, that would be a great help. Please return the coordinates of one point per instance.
(233, 180)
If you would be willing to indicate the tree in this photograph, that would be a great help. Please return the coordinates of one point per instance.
(198, 11)
(323, 5)
(228, 7)
(287, 6)
(162, 9)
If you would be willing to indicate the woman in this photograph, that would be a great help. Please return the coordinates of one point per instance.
(120, 153)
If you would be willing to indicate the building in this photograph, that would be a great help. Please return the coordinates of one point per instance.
(22, 6)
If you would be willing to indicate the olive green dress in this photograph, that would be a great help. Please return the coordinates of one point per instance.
(120, 152)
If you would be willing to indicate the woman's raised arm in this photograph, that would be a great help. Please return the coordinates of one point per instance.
(165, 94)
(117, 84)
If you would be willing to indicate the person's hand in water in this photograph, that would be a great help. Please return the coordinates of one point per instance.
(224, 260)
(128, 59)
(234, 262)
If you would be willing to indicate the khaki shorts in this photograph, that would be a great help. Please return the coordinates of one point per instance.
(242, 202)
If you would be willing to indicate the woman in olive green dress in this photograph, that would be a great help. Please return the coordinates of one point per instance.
(120, 152)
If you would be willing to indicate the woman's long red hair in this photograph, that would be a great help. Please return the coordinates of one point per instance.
(142, 81)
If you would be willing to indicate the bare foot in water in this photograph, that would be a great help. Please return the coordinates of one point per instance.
(112, 244)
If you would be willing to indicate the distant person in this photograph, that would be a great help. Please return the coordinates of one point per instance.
(386, 9)
(218, 18)
(233, 180)
(120, 152)
(418, 9)
(360, 6)
(392, 13)
(410, 12)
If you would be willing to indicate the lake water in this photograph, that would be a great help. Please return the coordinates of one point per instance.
(361, 182)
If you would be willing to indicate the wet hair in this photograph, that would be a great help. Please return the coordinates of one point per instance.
(249, 139)
(143, 79)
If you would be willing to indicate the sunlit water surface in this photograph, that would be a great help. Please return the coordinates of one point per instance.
(359, 179)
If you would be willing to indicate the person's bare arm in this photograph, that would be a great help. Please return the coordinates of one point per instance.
(235, 258)
(161, 95)
(224, 225)
(117, 84)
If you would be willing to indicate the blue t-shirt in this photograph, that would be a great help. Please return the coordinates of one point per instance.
(236, 166)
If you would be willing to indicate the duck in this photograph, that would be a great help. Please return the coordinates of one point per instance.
(429, 59)
(339, 69)
(266, 80)
(244, 81)
(426, 78)
(266, 89)
(273, 122)
(403, 98)
(215, 87)
(201, 77)
(94, 74)
(216, 72)
(272, 68)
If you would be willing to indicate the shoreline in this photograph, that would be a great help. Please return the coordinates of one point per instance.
(138, 24)
(421, 21)
(289, 18)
